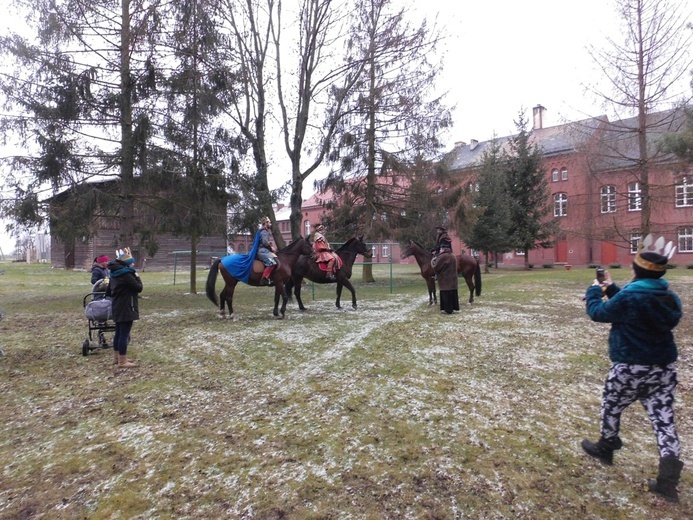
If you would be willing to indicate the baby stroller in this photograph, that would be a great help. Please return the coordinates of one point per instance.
(97, 309)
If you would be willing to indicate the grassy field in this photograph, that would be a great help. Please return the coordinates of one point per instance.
(393, 410)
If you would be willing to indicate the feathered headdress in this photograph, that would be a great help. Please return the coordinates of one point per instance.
(125, 256)
(653, 257)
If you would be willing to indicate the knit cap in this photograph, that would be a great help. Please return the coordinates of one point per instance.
(102, 259)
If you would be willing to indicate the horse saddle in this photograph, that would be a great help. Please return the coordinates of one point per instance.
(259, 267)
(338, 264)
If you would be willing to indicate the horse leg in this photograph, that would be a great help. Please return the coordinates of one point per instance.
(222, 303)
(279, 291)
(338, 302)
(432, 296)
(346, 283)
(297, 293)
(470, 284)
(229, 289)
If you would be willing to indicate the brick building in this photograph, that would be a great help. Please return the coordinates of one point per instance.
(594, 186)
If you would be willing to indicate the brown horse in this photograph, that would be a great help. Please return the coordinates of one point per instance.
(286, 258)
(308, 268)
(467, 266)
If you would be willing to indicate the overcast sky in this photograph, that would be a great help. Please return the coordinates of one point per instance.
(504, 55)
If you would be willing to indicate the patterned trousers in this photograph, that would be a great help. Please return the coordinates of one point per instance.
(653, 386)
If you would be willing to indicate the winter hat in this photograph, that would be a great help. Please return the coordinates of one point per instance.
(652, 260)
(102, 259)
(125, 256)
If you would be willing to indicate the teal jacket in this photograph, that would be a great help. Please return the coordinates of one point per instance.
(642, 315)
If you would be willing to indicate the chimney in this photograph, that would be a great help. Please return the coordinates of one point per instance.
(460, 144)
(473, 144)
(538, 117)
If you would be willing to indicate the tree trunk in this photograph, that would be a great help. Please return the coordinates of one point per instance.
(127, 213)
(367, 273)
(193, 264)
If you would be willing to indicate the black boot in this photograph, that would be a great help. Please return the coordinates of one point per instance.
(603, 449)
(669, 473)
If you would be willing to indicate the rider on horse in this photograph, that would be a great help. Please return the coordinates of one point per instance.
(266, 250)
(324, 253)
(443, 240)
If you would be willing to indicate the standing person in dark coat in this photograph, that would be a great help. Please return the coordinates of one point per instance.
(641, 346)
(445, 267)
(124, 287)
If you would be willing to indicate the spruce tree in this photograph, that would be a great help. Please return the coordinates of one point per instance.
(528, 193)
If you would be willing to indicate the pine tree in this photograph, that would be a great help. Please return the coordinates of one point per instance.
(528, 193)
(491, 233)
(81, 92)
(393, 117)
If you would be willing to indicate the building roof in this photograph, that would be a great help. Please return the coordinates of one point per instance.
(618, 145)
(554, 140)
(617, 141)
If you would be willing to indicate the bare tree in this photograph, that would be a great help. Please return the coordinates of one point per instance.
(643, 72)
(323, 82)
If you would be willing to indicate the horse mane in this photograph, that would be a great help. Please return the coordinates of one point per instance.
(422, 247)
(343, 247)
(293, 243)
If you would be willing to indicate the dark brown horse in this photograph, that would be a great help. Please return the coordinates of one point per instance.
(286, 258)
(307, 267)
(467, 266)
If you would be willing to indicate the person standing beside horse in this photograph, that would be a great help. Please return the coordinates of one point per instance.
(643, 315)
(445, 267)
(266, 251)
(124, 287)
(325, 253)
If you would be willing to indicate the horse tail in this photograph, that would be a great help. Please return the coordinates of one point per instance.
(212, 281)
(477, 278)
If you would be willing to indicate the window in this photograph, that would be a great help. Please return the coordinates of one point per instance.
(564, 174)
(634, 197)
(635, 238)
(560, 205)
(608, 199)
(306, 224)
(374, 251)
(684, 193)
(686, 240)
(554, 175)
(386, 251)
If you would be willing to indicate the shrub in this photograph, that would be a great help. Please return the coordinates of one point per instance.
(689, 266)
(592, 266)
(547, 266)
(614, 265)
(531, 266)
(671, 266)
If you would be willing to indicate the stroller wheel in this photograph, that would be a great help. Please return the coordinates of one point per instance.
(85, 347)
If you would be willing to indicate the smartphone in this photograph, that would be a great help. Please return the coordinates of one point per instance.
(600, 274)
